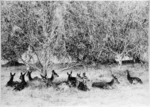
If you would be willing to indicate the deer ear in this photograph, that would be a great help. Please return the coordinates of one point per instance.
(112, 75)
(42, 76)
(71, 72)
(14, 74)
(45, 75)
(67, 73)
(10, 73)
(84, 74)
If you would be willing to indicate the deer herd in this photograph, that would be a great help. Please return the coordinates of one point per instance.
(79, 82)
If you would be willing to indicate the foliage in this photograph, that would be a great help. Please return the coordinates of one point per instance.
(88, 31)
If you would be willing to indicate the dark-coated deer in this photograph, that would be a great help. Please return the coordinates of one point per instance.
(106, 85)
(86, 79)
(71, 80)
(133, 80)
(35, 82)
(49, 81)
(82, 82)
(114, 80)
(22, 84)
(30, 77)
(12, 83)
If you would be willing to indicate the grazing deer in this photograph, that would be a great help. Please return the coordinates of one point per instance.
(133, 80)
(106, 85)
(12, 83)
(71, 80)
(82, 82)
(22, 84)
(49, 81)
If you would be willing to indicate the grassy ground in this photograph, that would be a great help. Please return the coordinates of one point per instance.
(123, 95)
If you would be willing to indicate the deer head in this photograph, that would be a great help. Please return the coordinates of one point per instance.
(12, 76)
(69, 75)
(85, 77)
(22, 75)
(115, 78)
(79, 78)
(54, 74)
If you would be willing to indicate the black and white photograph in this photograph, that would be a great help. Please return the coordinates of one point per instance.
(74, 53)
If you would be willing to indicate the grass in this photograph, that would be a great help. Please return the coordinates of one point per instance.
(123, 95)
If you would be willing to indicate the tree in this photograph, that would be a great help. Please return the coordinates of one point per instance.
(127, 35)
(36, 27)
(13, 36)
(88, 32)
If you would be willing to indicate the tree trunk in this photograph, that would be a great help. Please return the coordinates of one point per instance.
(85, 67)
(120, 62)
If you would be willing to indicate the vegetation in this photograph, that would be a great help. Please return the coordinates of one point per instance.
(88, 32)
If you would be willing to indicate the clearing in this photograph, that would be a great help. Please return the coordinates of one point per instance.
(123, 95)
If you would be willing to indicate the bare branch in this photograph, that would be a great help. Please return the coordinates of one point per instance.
(113, 51)
(125, 47)
(31, 65)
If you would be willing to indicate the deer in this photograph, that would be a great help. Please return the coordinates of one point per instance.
(49, 81)
(22, 84)
(35, 82)
(106, 85)
(30, 77)
(133, 80)
(72, 81)
(39, 61)
(82, 82)
(111, 83)
(12, 83)
(85, 77)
